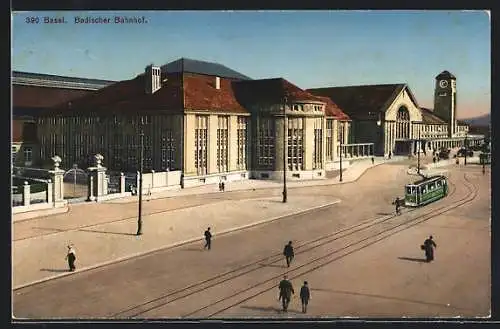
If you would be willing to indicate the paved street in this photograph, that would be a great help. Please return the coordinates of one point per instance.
(187, 281)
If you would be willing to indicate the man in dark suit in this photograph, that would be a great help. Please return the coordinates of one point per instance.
(288, 253)
(286, 291)
(305, 295)
(208, 239)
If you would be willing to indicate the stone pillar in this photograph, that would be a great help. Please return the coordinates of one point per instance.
(152, 179)
(188, 145)
(98, 184)
(122, 183)
(49, 191)
(280, 151)
(308, 143)
(26, 194)
(57, 178)
(213, 124)
(233, 143)
(90, 194)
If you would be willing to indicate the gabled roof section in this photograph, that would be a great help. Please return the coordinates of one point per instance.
(129, 95)
(57, 81)
(180, 91)
(445, 75)
(359, 101)
(271, 91)
(186, 65)
(332, 110)
(200, 94)
(429, 117)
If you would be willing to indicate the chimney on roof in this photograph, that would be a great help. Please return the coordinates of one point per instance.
(152, 79)
(217, 82)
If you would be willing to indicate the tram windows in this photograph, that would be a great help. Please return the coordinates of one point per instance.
(438, 184)
(410, 190)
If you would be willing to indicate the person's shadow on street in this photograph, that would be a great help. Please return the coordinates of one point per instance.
(54, 270)
(412, 259)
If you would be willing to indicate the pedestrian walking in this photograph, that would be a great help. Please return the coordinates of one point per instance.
(373, 160)
(223, 186)
(305, 295)
(71, 258)
(286, 291)
(397, 203)
(428, 247)
(390, 155)
(220, 186)
(288, 253)
(484, 169)
(208, 239)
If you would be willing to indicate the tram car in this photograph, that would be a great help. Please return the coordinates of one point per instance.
(485, 158)
(426, 191)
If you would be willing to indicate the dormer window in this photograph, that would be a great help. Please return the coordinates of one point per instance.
(152, 79)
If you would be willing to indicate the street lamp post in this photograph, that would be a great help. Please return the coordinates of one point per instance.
(419, 149)
(141, 157)
(285, 137)
(465, 146)
(340, 178)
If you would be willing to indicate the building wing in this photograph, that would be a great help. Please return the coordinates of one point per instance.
(359, 102)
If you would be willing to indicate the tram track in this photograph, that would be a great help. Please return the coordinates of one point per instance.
(365, 228)
(270, 284)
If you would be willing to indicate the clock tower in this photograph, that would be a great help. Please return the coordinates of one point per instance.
(445, 100)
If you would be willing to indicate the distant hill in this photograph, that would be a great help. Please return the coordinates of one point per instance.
(481, 121)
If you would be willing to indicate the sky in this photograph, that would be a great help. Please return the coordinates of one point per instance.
(311, 49)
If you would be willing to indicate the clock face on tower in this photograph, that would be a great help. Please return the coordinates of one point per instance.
(443, 83)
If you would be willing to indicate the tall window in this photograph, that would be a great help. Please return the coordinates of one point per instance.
(318, 144)
(167, 150)
(28, 156)
(340, 135)
(241, 160)
(222, 143)
(295, 143)
(329, 139)
(116, 149)
(132, 152)
(265, 143)
(201, 144)
(148, 154)
(403, 123)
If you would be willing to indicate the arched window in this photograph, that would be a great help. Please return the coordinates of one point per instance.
(403, 123)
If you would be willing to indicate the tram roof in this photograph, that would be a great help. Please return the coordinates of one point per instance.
(427, 179)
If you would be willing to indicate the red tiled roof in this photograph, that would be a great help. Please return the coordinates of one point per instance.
(332, 109)
(428, 117)
(271, 91)
(200, 94)
(359, 101)
(43, 97)
(180, 91)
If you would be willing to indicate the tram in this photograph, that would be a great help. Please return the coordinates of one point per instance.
(426, 191)
(485, 158)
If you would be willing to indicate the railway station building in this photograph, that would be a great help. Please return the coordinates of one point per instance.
(213, 123)
(204, 119)
(390, 116)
